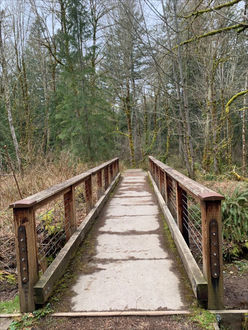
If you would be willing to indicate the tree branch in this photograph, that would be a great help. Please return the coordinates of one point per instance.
(207, 10)
(213, 32)
(234, 98)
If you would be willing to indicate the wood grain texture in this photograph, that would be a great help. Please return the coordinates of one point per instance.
(211, 210)
(26, 258)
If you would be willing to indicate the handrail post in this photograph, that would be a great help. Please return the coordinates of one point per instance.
(118, 166)
(212, 251)
(106, 177)
(156, 175)
(99, 183)
(151, 167)
(153, 171)
(166, 188)
(26, 256)
(88, 193)
(182, 212)
(161, 182)
(114, 169)
(111, 172)
(162, 187)
(70, 213)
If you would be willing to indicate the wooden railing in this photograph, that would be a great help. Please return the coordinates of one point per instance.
(197, 212)
(29, 220)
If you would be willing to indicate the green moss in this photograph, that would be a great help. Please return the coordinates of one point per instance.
(7, 277)
(204, 318)
(28, 320)
(10, 306)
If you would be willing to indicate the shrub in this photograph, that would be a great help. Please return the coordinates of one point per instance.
(235, 223)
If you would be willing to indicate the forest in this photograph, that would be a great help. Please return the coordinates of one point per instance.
(85, 81)
(125, 78)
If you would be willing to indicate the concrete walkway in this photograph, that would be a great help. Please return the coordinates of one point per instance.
(132, 271)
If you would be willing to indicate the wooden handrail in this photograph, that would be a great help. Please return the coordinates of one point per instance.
(25, 222)
(58, 189)
(178, 187)
(196, 189)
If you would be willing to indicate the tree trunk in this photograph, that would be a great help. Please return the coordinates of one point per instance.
(245, 108)
(127, 107)
(187, 141)
(6, 91)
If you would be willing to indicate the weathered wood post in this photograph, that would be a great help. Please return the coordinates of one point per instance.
(70, 213)
(166, 188)
(106, 177)
(114, 169)
(118, 165)
(111, 172)
(156, 174)
(182, 212)
(154, 171)
(99, 183)
(162, 182)
(212, 251)
(151, 168)
(88, 193)
(26, 256)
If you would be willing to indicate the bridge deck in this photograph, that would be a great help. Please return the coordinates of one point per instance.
(130, 268)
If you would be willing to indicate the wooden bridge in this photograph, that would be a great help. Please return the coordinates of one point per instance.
(133, 270)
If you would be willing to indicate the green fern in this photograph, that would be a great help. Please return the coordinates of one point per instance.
(235, 222)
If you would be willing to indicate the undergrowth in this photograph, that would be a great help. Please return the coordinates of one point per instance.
(27, 321)
(42, 174)
(204, 318)
(235, 223)
(10, 306)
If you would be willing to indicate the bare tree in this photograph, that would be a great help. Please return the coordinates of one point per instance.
(6, 89)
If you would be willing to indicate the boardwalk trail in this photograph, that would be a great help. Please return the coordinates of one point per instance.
(130, 268)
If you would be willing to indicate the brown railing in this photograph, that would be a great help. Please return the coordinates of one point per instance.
(44, 222)
(197, 212)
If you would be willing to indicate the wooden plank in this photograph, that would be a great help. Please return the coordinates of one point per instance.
(120, 313)
(212, 252)
(57, 189)
(196, 189)
(96, 169)
(26, 256)
(44, 287)
(197, 280)
(129, 313)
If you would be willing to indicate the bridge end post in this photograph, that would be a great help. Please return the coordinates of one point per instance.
(212, 252)
(26, 256)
